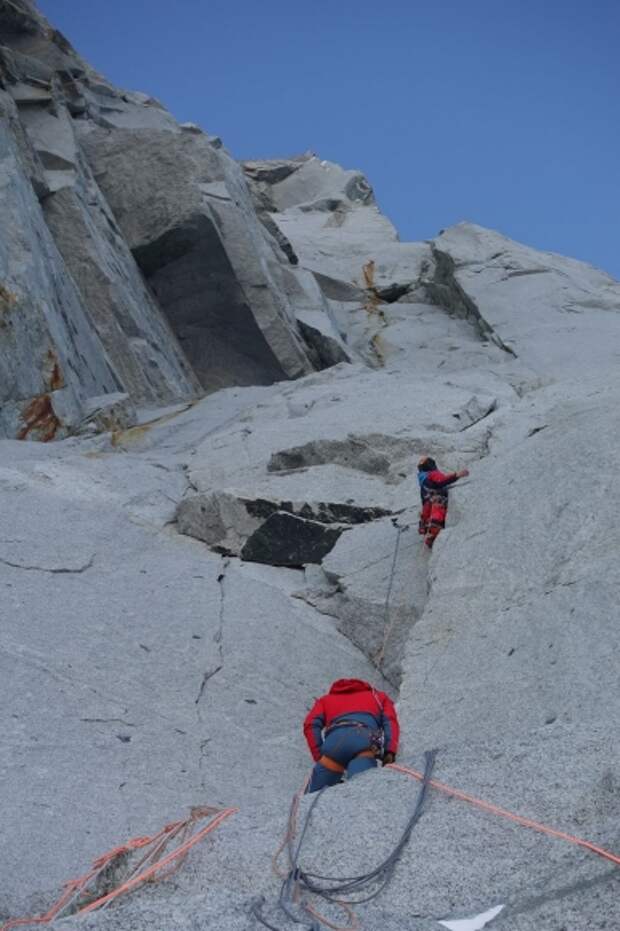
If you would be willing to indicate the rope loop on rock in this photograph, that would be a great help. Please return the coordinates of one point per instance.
(333, 889)
(503, 813)
(146, 870)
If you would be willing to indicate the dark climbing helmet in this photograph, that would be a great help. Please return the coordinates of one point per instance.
(427, 464)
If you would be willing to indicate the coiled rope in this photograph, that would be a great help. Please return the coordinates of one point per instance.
(335, 889)
(151, 864)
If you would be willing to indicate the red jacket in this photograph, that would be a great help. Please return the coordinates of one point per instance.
(435, 483)
(351, 696)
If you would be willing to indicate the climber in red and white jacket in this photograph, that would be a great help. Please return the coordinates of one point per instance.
(434, 486)
(348, 730)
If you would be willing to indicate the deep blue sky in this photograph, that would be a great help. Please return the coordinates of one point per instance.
(503, 112)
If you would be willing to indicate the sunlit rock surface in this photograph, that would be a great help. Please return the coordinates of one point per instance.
(182, 574)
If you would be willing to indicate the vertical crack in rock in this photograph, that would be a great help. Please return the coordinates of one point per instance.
(202, 753)
(190, 484)
(208, 675)
(219, 635)
(375, 602)
(218, 639)
(389, 622)
(203, 747)
(406, 594)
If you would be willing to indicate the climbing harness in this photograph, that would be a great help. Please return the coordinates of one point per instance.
(375, 734)
(332, 888)
(335, 767)
(152, 863)
(330, 764)
(375, 745)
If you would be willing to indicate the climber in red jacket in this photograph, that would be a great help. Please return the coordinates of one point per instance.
(434, 493)
(348, 730)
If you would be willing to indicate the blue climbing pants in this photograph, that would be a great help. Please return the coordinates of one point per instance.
(342, 746)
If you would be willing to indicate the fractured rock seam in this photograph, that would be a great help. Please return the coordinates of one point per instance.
(52, 571)
(218, 637)
(446, 291)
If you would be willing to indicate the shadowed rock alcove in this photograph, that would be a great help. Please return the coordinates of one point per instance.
(194, 282)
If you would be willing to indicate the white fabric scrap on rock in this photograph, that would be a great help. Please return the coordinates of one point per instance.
(472, 924)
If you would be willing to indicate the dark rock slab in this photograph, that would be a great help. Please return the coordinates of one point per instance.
(232, 524)
(287, 540)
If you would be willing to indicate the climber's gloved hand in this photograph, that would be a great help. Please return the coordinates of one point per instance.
(388, 758)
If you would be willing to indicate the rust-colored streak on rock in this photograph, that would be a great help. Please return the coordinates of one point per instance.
(53, 372)
(8, 300)
(368, 271)
(372, 298)
(39, 420)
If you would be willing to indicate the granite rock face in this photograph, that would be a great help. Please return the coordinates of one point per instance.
(187, 215)
(44, 327)
(186, 283)
(99, 294)
(496, 283)
(179, 584)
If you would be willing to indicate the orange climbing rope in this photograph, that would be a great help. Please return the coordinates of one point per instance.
(141, 873)
(503, 813)
(290, 832)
